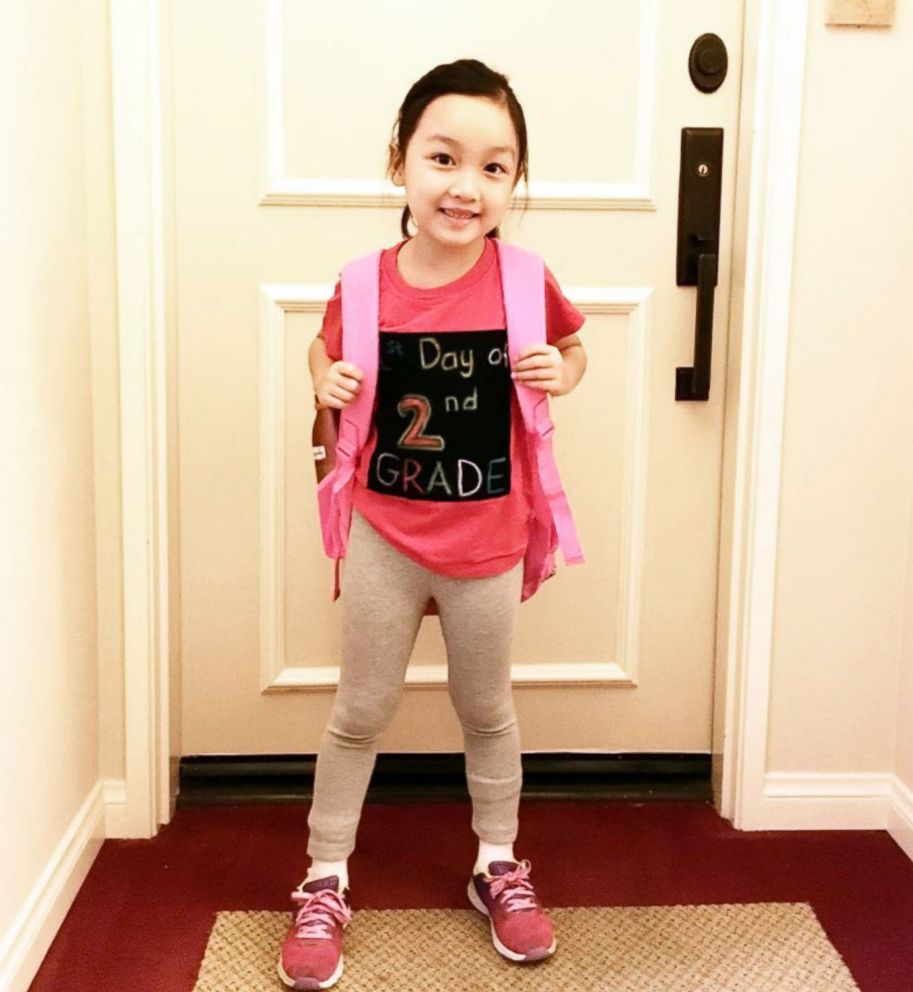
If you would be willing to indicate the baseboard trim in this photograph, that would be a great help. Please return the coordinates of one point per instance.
(34, 927)
(900, 815)
(835, 801)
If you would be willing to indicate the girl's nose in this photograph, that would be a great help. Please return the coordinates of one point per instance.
(464, 189)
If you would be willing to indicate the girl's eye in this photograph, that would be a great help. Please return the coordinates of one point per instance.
(438, 155)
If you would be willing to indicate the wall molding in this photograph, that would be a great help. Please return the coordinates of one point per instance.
(136, 87)
(765, 222)
(26, 942)
(837, 801)
(280, 189)
(622, 670)
(900, 815)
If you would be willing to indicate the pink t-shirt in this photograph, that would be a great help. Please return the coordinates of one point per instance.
(445, 473)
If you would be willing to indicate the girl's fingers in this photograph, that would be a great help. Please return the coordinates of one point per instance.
(542, 373)
(341, 392)
(535, 367)
(348, 386)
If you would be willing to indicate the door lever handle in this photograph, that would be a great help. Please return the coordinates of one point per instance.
(692, 382)
(698, 247)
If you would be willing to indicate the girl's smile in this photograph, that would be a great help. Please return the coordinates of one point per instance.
(459, 173)
(459, 219)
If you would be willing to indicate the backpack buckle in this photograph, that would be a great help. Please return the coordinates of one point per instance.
(545, 429)
(345, 448)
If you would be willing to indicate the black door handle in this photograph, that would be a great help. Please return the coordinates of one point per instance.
(699, 193)
(692, 382)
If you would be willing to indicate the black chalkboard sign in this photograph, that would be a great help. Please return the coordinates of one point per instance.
(442, 416)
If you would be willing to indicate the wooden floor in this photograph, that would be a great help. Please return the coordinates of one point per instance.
(142, 918)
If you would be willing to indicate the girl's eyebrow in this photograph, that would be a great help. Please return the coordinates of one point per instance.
(452, 141)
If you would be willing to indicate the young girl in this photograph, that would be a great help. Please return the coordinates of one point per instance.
(430, 527)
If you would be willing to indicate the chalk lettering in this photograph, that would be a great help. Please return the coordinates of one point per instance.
(465, 467)
(383, 477)
(413, 436)
(439, 478)
(430, 354)
(443, 416)
(453, 404)
(401, 476)
(496, 476)
(498, 356)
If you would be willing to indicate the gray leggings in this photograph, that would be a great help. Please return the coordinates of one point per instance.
(383, 594)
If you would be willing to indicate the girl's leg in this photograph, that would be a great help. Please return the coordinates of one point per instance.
(478, 617)
(383, 595)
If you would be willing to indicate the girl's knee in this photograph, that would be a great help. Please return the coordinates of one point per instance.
(483, 716)
(362, 721)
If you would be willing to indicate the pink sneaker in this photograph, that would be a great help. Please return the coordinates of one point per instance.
(311, 956)
(520, 929)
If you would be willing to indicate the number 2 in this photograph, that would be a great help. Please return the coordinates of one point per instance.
(412, 436)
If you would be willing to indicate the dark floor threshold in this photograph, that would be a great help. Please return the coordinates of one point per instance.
(207, 780)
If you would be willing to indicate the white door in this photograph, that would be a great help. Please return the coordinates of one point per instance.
(281, 117)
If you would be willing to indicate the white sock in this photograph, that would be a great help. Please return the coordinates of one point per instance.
(321, 869)
(492, 852)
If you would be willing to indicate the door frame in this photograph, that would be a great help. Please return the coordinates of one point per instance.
(772, 88)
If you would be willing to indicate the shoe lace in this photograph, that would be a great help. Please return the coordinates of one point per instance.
(515, 888)
(317, 912)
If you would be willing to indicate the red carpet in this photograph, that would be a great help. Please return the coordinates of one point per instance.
(142, 918)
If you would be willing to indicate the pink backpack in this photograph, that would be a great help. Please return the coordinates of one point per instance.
(551, 522)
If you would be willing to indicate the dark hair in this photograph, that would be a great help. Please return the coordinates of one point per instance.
(470, 78)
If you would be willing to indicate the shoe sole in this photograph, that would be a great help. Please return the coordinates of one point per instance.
(537, 954)
(308, 984)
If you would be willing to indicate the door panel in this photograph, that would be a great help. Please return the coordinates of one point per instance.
(281, 118)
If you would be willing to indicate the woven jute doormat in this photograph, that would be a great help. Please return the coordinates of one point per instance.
(747, 947)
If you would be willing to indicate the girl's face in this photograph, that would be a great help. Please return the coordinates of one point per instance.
(462, 155)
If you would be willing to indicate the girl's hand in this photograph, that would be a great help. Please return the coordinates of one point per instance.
(542, 367)
(338, 386)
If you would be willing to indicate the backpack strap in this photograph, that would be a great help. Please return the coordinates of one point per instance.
(523, 270)
(525, 311)
(360, 313)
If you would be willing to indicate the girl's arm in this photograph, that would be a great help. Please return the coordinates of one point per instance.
(336, 383)
(555, 368)
(573, 358)
(319, 360)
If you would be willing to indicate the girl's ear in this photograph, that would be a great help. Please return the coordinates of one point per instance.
(396, 175)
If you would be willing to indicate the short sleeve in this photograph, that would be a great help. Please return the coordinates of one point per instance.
(331, 328)
(561, 316)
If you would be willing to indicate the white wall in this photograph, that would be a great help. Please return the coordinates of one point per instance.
(847, 486)
(58, 532)
(904, 756)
